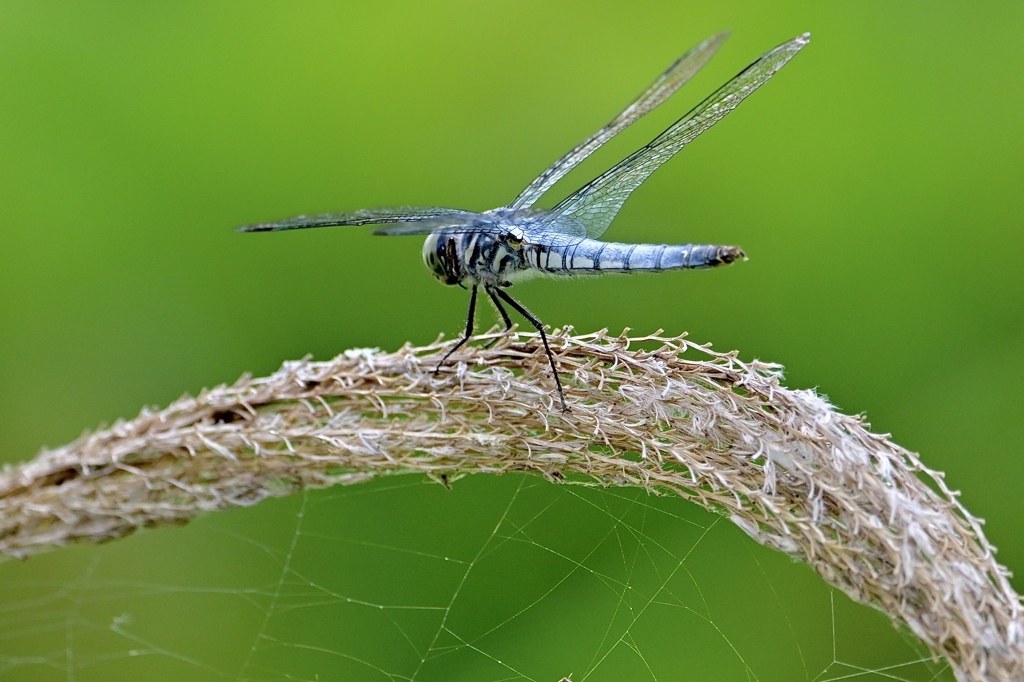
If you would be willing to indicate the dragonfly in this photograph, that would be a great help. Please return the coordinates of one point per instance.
(492, 250)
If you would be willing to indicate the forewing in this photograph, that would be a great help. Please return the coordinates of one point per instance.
(597, 203)
(370, 216)
(452, 223)
(529, 226)
(660, 90)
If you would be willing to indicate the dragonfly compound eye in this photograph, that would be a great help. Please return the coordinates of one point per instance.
(441, 256)
(513, 241)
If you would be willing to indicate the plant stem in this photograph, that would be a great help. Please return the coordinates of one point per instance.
(782, 464)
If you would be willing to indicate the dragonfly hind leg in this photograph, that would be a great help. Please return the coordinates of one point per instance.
(501, 311)
(466, 336)
(518, 307)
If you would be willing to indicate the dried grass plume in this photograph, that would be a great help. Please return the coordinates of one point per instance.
(660, 413)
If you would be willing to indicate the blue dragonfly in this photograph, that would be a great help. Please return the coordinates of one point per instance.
(495, 249)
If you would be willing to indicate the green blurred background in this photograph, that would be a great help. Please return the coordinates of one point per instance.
(875, 183)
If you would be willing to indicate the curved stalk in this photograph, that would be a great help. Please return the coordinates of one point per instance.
(660, 413)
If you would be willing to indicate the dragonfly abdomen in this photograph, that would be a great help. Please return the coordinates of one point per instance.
(593, 256)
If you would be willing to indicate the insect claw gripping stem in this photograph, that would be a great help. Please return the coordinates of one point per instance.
(466, 336)
(519, 308)
(497, 295)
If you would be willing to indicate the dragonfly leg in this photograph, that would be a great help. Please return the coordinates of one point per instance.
(518, 307)
(466, 336)
(501, 311)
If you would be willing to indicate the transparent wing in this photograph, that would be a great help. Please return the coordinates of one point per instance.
(451, 223)
(660, 90)
(370, 216)
(597, 203)
(534, 226)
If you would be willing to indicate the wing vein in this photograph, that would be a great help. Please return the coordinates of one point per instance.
(657, 92)
(598, 202)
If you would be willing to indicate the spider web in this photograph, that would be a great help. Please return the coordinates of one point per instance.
(497, 578)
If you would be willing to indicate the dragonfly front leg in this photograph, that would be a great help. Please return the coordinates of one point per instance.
(518, 307)
(466, 336)
(501, 311)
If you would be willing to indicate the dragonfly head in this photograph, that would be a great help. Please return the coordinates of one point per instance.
(441, 256)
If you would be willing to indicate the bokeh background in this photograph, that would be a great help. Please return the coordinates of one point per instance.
(875, 183)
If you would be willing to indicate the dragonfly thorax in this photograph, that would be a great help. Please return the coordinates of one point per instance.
(490, 257)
